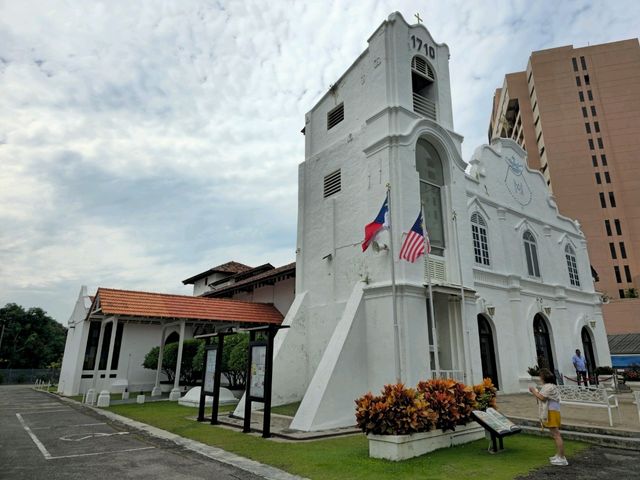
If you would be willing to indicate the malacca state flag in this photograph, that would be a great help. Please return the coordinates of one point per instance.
(380, 222)
(413, 245)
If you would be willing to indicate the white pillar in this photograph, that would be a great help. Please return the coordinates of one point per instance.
(175, 393)
(111, 343)
(156, 392)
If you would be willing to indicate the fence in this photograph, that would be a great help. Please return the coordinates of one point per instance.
(457, 375)
(12, 376)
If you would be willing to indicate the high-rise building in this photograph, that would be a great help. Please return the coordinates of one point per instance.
(576, 111)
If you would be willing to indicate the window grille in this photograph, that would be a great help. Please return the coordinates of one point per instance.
(332, 183)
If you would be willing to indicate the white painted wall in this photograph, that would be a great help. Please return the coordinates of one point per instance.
(506, 284)
(137, 340)
(69, 382)
(281, 295)
(201, 285)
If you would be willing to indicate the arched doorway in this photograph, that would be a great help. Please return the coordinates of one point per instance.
(173, 337)
(587, 348)
(487, 351)
(544, 354)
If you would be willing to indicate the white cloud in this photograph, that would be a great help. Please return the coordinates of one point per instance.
(143, 142)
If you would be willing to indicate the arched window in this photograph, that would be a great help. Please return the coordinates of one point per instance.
(531, 252)
(173, 337)
(572, 265)
(429, 168)
(480, 243)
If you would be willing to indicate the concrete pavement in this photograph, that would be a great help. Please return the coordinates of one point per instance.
(44, 436)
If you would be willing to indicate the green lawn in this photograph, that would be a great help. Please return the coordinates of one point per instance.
(347, 457)
(289, 410)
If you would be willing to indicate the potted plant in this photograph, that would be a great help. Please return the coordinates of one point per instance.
(605, 376)
(534, 373)
(140, 397)
(485, 395)
(631, 377)
(403, 422)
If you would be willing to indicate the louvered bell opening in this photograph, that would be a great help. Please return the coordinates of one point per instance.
(420, 65)
(335, 116)
(424, 106)
(332, 184)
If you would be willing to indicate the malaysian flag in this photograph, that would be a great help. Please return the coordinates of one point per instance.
(414, 243)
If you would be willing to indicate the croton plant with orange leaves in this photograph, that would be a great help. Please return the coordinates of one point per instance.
(441, 404)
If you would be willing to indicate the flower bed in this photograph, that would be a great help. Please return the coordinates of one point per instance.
(399, 417)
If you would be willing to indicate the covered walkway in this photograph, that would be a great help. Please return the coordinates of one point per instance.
(111, 309)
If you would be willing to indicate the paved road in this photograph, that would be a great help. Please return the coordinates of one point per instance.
(594, 463)
(43, 437)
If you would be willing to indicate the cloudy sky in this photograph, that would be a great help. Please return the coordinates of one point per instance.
(142, 142)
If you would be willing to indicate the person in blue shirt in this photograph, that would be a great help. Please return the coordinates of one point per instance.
(580, 364)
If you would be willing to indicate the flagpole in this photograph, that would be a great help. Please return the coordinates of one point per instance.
(396, 327)
(434, 331)
(462, 307)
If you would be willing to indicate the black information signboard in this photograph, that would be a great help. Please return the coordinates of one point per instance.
(497, 425)
(210, 368)
(258, 371)
(259, 375)
(211, 372)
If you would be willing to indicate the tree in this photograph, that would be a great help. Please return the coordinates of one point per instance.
(30, 338)
(234, 359)
(189, 371)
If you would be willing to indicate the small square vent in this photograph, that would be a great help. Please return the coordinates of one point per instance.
(332, 183)
(335, 116)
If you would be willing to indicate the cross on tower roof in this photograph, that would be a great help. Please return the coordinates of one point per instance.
(417, 15)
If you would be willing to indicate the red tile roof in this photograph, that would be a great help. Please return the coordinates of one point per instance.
(229, 267)
(160, 305)
(287, 271)
(232, 267)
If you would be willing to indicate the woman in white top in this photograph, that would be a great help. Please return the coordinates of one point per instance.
(549, 410)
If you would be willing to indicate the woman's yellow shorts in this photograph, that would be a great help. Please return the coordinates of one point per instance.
(553, 420)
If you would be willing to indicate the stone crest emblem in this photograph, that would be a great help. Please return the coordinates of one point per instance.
(516, 182)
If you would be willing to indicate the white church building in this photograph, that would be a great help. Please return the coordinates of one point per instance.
(508, 276)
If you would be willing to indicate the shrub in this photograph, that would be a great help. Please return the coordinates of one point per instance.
(453, 402)
(534, 371)
(485, 394)
(603, 370)
(632, 374)
(397, 411)
(442, 404)
(234, 359)
(189, 373)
